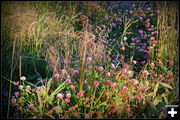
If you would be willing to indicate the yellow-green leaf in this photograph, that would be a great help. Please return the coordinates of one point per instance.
(166, 85)
(156, 89)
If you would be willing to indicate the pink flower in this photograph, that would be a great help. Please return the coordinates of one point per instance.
(19, 108)
(145, 72)
(112, 84)
(80, 94)
(171, 63)
(126, 66)
(40, 88)
(17, 94)
(21, 87)
(13, 100)
(88, 59)
(60, 95)
(63, 71)
(56, 76)
(124, 71)
(108, 74)
(107, 82)
(23, 78)
(76, 72)
(72, 87)
(125, 38)
(125, 89)
(67, 100)
(30, 107)
(96, 83)
(123, 48)
(69, 81)
(68, 95)
(16, 82)
(148, 9)
(113, 66)
(34, 90)
(152, 38)
(139, 87)
(169, 27)
(143, 62)
(100, 69)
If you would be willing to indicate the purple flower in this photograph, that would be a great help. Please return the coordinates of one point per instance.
(17, 94)
(76, 72)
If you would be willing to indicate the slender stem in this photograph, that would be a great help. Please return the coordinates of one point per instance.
(11, 75)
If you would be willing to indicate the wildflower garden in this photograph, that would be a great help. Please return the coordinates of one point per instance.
(97, 59)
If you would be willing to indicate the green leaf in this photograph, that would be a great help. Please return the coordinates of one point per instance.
(150, 94)
(166, 85)
(166, 100)
(155, 89)
(157, 100)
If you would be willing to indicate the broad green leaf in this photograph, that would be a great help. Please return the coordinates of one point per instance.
(150, 94)
(166, 85)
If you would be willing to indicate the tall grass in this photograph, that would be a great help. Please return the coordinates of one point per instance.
(168, 23)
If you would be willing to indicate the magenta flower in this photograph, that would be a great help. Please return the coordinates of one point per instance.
(80, 94)
(69, 81)
(76, 72)
(68, 95)
(96, 83)
(143, 62)
(23, 78)
(100, 69)
(60, 95)
(152, 38)
(108, 74)
(16, 82)
(40, 88)
(56, 76)
(125, 89)
(13, 100)
(112, 84)
(67, 100)
(17, 94)
(88, 59)
(21, 87)
(134, 61)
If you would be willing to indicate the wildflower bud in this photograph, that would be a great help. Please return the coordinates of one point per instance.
(125, 89)
(88, 59)
(23, 78)
(80, 94)
(60, 95)
(68, 95)
(126, 66)
(30, 107)
(171, 63)
(21, 87)
(145, 72)
(123, 48)
(17, 94)
(76, 72)
(34, 90)
(96, 83)
(108, 74)
(72, 87)
(69, 81)
(13, 100)
(67, 100)
(28, 87)
(100, 69)
(125, 38)
(56, 76)
(139, 87)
